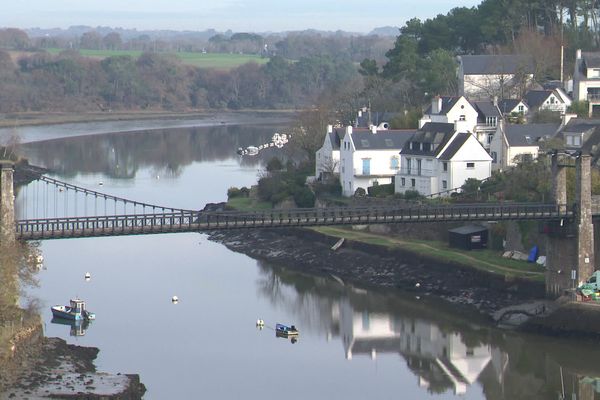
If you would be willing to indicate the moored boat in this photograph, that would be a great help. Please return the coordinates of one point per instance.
(75, 311)
(281, 329)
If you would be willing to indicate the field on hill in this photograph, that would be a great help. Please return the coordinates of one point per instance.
(201, 60)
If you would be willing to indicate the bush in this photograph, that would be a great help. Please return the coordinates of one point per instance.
(304, 197)
(274, 164)
(235, 192)
(330, 188)
(412, 195)
(360, 192)
(381, 190)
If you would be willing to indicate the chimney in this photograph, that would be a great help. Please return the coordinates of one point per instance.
(436, 105)
(359, 113)
(373, 129)
(578, 54)
(329, 128)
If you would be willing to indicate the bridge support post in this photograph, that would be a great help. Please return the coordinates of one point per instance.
(585, 227)
(570, 250)
(7, 203)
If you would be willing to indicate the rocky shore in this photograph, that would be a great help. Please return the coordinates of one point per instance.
(41, 367)
(376, 266)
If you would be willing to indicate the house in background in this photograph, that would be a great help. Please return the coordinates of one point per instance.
(327, 158)
(486, 76)
(488, 118)
(580, 134)
(586, 79)
(439, 158)
(450, 109)
(366, 118)
(513, 110)
(514, 142)
(552, 100)
(370, 157)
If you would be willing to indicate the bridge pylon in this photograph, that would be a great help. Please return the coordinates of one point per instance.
(7, 203)
(570, 245)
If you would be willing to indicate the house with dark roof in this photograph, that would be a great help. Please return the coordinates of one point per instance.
(582, 134)
(366, 118)
(488, 118)
(439, 158)
(513, 108)
(327, 158)
(486, 76)
(586, 79)
(515, 142)
(450, 109)
(370, 157)
(552, 100)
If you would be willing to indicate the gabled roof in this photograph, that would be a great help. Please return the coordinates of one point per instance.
(578, 125)
(591, 59)
(529, 134)
(486, 108)
(497, 64)
(507, 105)
(436, 134)
(455, 145)
(447, 103)
(467, 229)
(535, 98)
(382, 140)
(335, 137)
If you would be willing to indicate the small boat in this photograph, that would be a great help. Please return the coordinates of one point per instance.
(252, 150)
(284, 330)
(78, 327)
(74, 311)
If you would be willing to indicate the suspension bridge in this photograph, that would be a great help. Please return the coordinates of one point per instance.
(54, 209)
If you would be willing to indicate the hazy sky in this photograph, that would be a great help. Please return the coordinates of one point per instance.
(237, 15)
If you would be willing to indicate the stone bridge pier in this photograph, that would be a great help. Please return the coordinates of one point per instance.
(570, 244)
(7, 203)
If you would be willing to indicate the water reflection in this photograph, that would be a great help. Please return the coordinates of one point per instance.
(446, 354)
(78, 327)
(166, 152)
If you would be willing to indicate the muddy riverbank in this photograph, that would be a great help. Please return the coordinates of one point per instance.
(376, 266)
(41, 367)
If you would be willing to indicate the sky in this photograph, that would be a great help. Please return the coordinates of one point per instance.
(237, 15)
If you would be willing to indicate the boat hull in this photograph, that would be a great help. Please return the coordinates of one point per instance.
(66, 313)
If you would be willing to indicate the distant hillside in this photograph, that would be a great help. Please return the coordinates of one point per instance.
(383, 31)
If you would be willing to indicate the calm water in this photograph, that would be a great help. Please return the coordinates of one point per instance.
(354, 344)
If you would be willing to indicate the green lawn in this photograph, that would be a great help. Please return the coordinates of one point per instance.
(207, 60)
(248, 204)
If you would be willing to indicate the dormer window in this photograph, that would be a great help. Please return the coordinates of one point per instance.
(491, 121)
(426, 146)
(462, 118)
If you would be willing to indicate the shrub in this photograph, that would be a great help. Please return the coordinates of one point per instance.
(381, 190)
(304, 197)
(360, 192)
(412, 195)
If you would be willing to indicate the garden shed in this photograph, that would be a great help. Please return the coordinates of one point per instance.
(468, 237)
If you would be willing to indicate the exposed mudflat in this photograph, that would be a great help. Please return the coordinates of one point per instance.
(376, 266)
(51, 368)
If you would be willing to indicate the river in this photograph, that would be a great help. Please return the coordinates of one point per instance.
(353, 344)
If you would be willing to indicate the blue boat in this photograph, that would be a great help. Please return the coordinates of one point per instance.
(75, 311)
(285, 330)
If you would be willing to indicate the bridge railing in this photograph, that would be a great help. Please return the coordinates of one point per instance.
(206, 221)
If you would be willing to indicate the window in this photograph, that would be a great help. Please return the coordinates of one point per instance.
(408, 166)
(521, 108)
(394, 162)
(552, 100)
(576, 140)
(366, 166)
(413, 183)
(569, 140)
(491, 121)
(426, 146)
(494, 157)
(419, 167)
(445, 166)
(462, 118)
(489, 139)
(403, 181)
(470, 165)
(444, 184)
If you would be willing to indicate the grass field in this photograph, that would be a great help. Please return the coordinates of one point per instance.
(201, 60)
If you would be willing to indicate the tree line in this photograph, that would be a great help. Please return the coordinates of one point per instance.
(69, 82)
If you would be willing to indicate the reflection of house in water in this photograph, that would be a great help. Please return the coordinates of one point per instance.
(441, 360)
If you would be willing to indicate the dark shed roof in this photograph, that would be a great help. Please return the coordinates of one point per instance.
(486, 108)
(468, 229)
(455, 145)
(507, 105)
(497, 64)
(447, 103)
(529, 134)
(591, 59)
(535, 98)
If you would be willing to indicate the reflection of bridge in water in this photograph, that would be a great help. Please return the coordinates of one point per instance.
(55, 209)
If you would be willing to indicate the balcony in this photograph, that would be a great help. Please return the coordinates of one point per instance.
(593, 97)
(415, 172)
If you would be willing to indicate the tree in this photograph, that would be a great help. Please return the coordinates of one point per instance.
(112, 41)
(309, 132)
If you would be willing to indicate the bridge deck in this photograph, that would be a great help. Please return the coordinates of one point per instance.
(197, 221)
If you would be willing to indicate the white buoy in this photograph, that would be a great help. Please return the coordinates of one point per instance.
(260, 323)
(88, 276)
(417, 284)
(100, 183)
(174, 299)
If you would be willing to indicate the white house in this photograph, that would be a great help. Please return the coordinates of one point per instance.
(551, 100)
(486, 76)
(579, 133)
(513, 110)
(586, 79)
(450, 109)
(327, 158)
(488, 118)
(439, 158)
(514, 142)
(370, 157)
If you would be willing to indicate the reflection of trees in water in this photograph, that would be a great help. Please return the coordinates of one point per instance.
(165, 151)
(521, 366)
